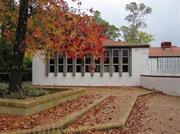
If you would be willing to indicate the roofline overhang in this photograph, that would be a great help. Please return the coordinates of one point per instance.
(164, 56)
(135, 46)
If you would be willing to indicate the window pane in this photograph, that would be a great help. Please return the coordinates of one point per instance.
(115, 68)
(69, 68)
(78, 61)
(60, 68)
(125, 52)
(87, 68)
(106, 61)
(97, 61)
(106, 68)
(107, 53)
(115, 52)
(97, 68)
(125, 68)
(125, 60)
(78, 68)
(51, 61)
(60, 60)
(51, 68)
(69, 61)
(88, 60)
(115, 60)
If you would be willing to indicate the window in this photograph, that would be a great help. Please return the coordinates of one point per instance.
(87, 64)
(125, 60)
(97, 62)
(79, 65)
(60, 64)
(115, 60)
(51, 65)
(107, 61)
(69, 65)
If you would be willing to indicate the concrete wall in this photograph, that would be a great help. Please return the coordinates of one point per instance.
(167, 84)
(139, 66)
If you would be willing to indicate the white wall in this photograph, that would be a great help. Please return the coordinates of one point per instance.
(168, 85)
(139, 66)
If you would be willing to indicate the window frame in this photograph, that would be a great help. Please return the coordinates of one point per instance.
(115, 64)
(60, 64)
(125, 64)
(69, 64)
(107, 64)
(51, 65)
(78, 64)
(87, 64)
(97, 64)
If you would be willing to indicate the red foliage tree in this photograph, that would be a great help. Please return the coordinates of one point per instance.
(48, 25)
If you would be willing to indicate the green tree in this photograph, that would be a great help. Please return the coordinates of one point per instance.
(135, 19)
(144, 37)
(113, 32)
(4, 55)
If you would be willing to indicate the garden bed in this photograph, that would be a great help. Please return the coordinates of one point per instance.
(46, 117)
(34, 105)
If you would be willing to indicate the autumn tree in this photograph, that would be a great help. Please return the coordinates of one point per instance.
(135, 19)
(113, 32)
(50, 26)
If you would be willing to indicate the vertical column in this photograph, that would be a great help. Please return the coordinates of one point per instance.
(55, 65)
(120, 62)
(101, 67)
(111, 63)
(83, 67)
(46, 65)
(130, 61)
(74, 66)
(65, 65)
(92, 63)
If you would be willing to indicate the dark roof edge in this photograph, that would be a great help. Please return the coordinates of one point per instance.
(161, 76)
(129, 46)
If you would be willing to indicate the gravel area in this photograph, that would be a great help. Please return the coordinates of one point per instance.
(53, 114)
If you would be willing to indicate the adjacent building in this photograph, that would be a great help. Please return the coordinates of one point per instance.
(164, 60)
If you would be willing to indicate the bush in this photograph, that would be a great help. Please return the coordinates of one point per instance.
(28, 92)
(34, 92)
(3, 90)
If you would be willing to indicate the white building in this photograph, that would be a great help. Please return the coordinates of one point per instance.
(164, 60)
(123, 66)
(164, 74)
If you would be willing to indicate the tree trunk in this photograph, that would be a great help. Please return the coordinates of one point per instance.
(19, 49)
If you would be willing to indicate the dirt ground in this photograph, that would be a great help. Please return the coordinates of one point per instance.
(162, 116)
(153, 114)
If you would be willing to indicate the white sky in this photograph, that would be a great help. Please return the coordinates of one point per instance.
(163, 22)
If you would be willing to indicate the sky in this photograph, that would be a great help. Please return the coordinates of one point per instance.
(163, 22)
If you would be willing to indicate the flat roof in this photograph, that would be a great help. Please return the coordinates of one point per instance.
(167, 52)
(112, 43)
